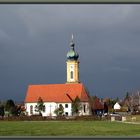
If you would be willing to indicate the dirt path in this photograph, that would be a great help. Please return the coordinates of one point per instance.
(129, 122)
(132, 122)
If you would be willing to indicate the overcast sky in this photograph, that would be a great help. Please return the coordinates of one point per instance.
(34, 41)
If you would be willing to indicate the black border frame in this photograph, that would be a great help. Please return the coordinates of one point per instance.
(69, 2)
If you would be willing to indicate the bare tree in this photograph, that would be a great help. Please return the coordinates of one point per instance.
(132, 101)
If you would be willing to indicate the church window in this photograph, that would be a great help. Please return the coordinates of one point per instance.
(44, 108)
(84, 108)
(66, 105)
(31, 109)
(66, 113)
(71, 74)
(60, 105)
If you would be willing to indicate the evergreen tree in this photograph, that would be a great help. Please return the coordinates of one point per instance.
(127, 96)
(111, 102)
(9, 104)
(2, 111)
(91, 103)
(59, 111)
(76, 106)
(117, 99)
(40, 106)
(105, 108)
(10, 107)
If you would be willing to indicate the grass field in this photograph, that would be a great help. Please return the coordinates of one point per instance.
(129, 118)
(68, 128)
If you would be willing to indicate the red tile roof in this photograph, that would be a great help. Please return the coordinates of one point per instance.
(56, 92)
(97, 104)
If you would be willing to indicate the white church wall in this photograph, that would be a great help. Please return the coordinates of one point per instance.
(85, 109)
(27, 106)
(67, 108)
(51, 106)
(49, 109)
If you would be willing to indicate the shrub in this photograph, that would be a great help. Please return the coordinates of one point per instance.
(48, 118)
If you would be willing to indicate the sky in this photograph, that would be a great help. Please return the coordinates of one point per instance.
(35, 39)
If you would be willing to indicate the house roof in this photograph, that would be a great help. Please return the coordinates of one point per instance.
(56, 93)
(117, 106)
(97, 104)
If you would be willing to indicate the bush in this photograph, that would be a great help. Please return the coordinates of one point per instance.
(63, 118)
(91, 117)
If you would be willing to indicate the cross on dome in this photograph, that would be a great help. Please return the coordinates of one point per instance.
(72, 37)
(72, 54)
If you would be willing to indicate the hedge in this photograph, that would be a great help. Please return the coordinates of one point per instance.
(64, 118)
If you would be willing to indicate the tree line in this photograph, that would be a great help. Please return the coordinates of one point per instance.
(9, 108)
(130, 103)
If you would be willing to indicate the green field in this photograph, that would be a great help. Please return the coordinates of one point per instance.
(68, 128)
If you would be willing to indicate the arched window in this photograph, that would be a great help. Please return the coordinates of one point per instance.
(66, 105)
(71, 74)
(31, 109)
(84, 108)
(44, 108)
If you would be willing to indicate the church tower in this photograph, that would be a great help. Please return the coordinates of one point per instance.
(72, 64)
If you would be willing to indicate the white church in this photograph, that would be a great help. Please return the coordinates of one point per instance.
(54, 95)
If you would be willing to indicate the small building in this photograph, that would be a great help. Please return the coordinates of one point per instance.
(117, 106)
(98, 107)
(54, 95)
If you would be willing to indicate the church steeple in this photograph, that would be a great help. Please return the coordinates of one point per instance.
(72, 64)
(72, 55)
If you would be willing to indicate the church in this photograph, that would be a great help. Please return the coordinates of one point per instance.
(54, 95)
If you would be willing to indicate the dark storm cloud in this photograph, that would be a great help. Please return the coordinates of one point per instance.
(34, 40)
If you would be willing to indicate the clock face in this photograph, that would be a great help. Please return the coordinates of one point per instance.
(71, 67)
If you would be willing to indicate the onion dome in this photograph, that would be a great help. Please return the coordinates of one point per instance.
(72, 55)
